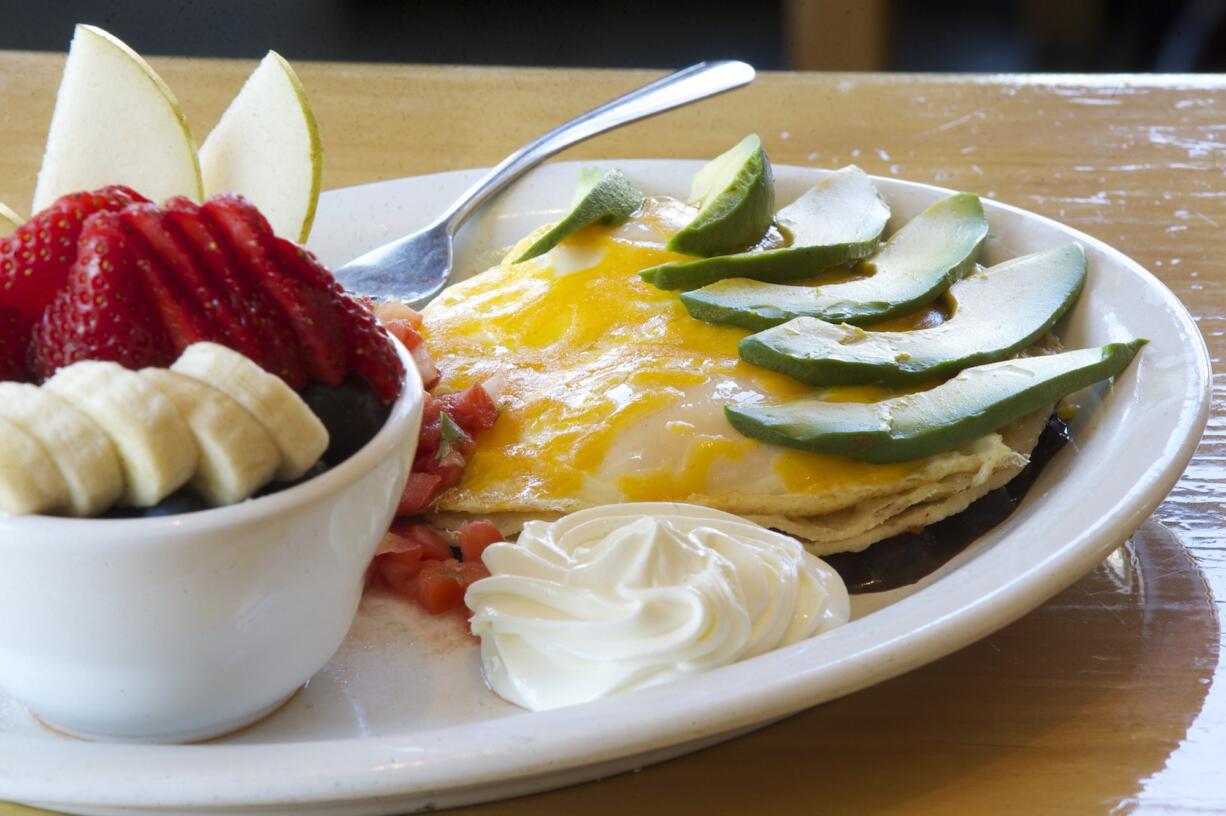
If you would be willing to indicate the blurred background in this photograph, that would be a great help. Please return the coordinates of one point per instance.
(870, 35)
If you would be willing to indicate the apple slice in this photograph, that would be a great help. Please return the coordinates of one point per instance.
(115, 122)
(266, 148)
(9, 221)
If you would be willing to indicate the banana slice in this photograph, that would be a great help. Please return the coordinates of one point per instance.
(156, 448)
(79, 448)
(299, 435)
(29, 480)
(237, 456)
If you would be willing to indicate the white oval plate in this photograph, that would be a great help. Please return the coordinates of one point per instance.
(399, 720)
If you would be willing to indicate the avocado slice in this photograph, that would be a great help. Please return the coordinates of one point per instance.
(609, 198)
(839, 220)
(735, 194)
(917, 264)
(974, 403)
(998, 312)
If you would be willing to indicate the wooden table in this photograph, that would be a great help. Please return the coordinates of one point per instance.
(1104, 700)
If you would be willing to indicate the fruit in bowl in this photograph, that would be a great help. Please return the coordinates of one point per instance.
(163, 392)
(203, 437)
(180, 351)
(180, 627)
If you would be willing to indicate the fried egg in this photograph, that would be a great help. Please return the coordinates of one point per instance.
(610, 391)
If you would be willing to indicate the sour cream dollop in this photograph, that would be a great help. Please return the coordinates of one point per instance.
(631, 595)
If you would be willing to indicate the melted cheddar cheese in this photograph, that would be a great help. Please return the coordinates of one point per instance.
(610, 391)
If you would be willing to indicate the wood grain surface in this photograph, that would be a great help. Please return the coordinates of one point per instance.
(1110, 698)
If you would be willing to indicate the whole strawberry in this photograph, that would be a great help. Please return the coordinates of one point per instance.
(35, 260)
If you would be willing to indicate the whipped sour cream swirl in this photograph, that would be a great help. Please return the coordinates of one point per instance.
(626, 596)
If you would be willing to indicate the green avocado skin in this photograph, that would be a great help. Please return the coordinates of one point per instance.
(609, 198)
(838, 221)
(901, 429)
(738, 216)
(915, 266)
(999, 311)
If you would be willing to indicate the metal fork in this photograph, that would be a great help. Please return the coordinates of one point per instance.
(416, 268)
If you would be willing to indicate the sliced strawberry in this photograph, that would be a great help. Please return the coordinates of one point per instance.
(370, 351)
(185, 321)
(104, 312)
(36, 259)
(310, 310)
(13, 366)
(206, 298)
(321, 331)
(273, 342)
(368, 347)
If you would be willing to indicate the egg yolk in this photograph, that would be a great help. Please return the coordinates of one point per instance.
(587, 355)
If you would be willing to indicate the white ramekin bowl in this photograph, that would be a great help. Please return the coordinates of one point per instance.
(185, 627)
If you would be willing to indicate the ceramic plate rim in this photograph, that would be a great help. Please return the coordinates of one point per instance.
(443, 760)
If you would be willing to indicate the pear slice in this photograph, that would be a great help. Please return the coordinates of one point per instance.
(913, 268)
(997, 313)
(115, 122)
(978, 401)
(9, 221)
(839, 220)
(735, 194)
(609, 198)
(266, 147)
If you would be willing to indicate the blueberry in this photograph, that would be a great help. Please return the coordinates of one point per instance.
(351, 412)
(176, 504)
(276, 487)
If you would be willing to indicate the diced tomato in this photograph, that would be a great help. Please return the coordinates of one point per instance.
(440, 437)
(418, 492)
(430, 409)
(426, 367)
(447, 468)
(463, 441)
(441, 584)
(475, 536)
(401, 553)
(428, 440)
(472, 409)
(429, 436)
(434, 545)
(405, 332)
(390, 310)
(399, 569)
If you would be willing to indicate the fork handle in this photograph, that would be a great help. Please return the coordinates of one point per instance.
(677, 89)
